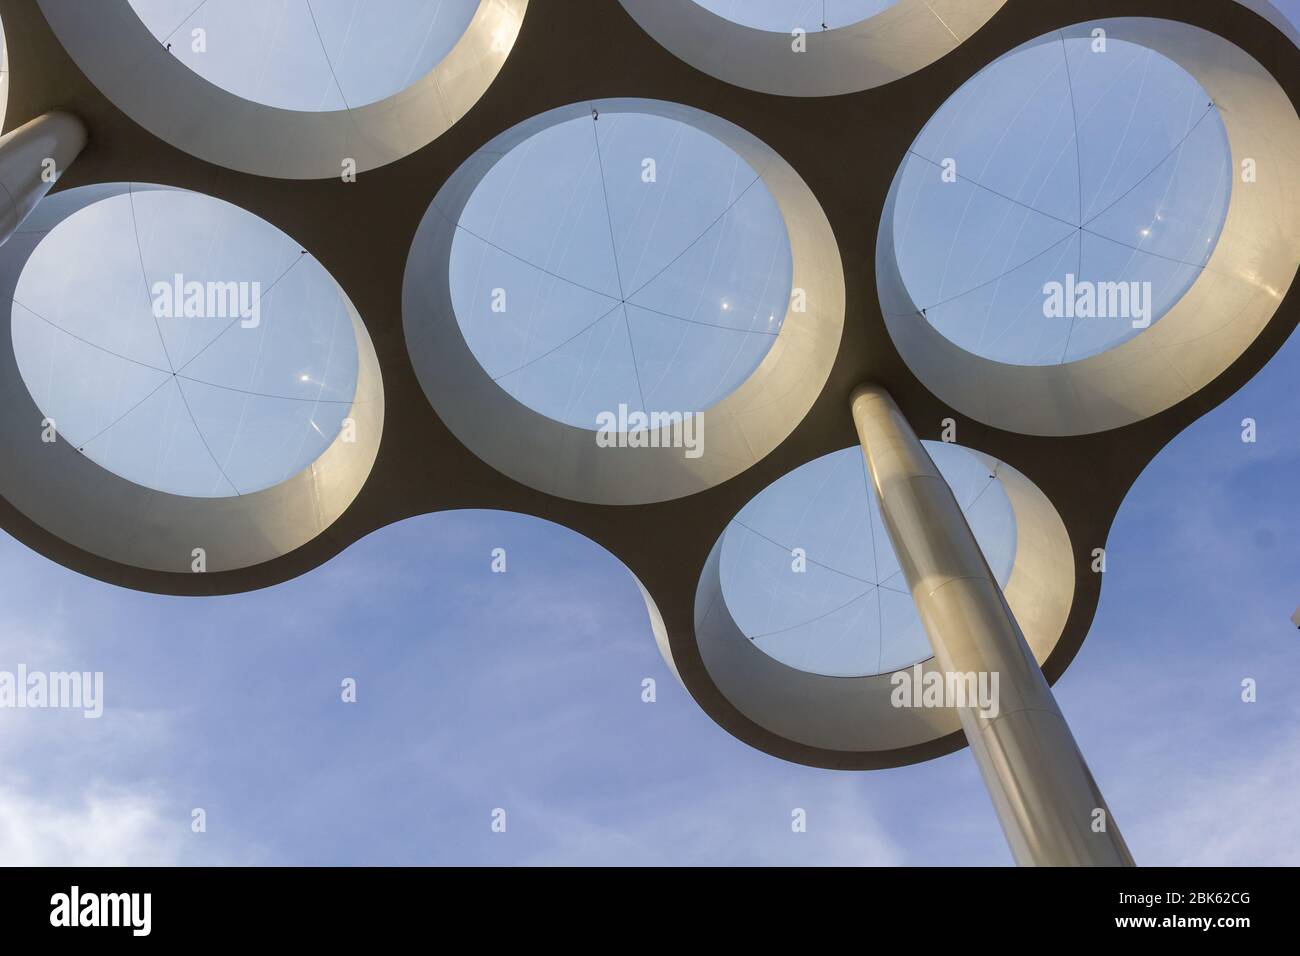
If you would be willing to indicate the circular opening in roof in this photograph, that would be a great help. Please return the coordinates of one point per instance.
(184, 344)
(620, 264)
(228, 416)
(811, 578)
(802, 617)
(604, 259)
(1063, 284)
(783, 16)
(1062, 201)
(296, 89)
(309, 55)
(782, 47)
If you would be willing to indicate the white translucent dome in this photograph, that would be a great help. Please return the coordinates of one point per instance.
(811, 578)
(222, 393)
(620, 259)
(309, 55)
(782, 16)
(1071, 170)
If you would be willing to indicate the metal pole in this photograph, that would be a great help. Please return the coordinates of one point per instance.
(1045, 797)
(32, 158)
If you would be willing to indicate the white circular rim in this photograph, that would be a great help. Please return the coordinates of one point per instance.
(4, 77)
(120, 56)
(855, 714)
(1210, 327)
(563, 460)
(94, 509)
(728, 571)
(894, 43)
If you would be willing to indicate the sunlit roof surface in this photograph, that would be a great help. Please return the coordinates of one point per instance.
(1063, 162)
(226, 402)
(848, 612)
(785, 15)
(4, 75)
(309, 55)
(620, 259)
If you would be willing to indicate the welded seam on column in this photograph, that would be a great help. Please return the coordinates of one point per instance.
(984, 723)
(927, 476)
(982, 578)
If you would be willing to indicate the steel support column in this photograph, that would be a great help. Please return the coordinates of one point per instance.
(32, 158)
(1046, 799)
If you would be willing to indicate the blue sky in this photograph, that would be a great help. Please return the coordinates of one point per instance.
(523, 690)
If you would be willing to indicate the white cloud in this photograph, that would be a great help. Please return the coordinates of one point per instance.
(107, 826)
(1238, 815)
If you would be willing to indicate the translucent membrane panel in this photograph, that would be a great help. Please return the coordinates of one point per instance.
(184, 344)
(620, 260)
(1062, 200)
(785, 15)
(309, 55)
(810, 576)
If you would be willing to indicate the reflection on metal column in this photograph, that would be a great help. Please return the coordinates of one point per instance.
(1045, 797)
(32, 158)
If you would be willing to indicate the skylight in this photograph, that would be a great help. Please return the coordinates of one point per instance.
(1062, 200)
(309, 55)
(811, 578)
(620, 259)
(782, 16)
(184, 344)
